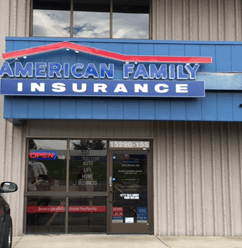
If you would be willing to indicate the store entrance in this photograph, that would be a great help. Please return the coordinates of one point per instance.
(88, 186)
(129, 191)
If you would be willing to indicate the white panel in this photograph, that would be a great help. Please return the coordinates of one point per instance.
(196, 20)
(197, 174)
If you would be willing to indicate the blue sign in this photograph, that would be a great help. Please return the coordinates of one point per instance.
(114, 88)
(141, 214)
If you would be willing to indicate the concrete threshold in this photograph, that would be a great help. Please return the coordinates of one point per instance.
(87, 241)
(127, 241)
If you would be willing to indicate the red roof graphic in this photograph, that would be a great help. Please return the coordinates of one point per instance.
(103, 53)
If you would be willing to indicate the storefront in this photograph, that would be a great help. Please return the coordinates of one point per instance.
(94, 166)
(105, 134)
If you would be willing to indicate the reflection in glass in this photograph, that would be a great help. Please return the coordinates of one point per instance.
(51, 18)
(87, 214)
(130, 188)
(45, 215)
(88, 165)
(47, 165)
(131, 19)
(91, 19)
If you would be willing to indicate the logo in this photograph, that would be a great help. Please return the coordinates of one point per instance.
(121, 76)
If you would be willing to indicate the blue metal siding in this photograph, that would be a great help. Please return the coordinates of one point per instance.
(216, 106)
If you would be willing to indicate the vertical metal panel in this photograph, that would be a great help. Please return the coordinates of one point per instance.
(202, 179)
(168, 179)
(223, 181)
(193, 183)
(240, 173)
(214, 183)
(186, 181)
(175, 179)
(13, 22)
(231, 207)
(203, 192)
(197, 20)
(156, 179)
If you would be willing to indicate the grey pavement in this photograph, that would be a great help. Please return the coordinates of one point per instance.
(127, 241)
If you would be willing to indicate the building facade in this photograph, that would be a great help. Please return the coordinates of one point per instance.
(188, 149)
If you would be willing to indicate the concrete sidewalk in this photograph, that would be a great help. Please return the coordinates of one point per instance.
(127, 241)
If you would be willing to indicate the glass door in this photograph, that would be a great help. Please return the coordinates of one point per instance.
(129, 191)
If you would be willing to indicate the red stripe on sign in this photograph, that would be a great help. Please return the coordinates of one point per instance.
(61, 209)
(105, 54)
(45, 209)
(87, 209)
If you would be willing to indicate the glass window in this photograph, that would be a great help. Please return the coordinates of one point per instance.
(51, 18)
(45, 215)
(88, 162)
(91, 19)
(131, 19)
(47, 165)
(87, 214)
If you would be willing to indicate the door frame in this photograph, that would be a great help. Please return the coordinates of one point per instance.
(116, 228)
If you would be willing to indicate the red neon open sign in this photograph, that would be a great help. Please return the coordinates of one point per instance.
(43, 155)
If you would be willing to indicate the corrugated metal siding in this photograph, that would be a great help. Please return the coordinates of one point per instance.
(197, 178)
(13, 22)
(197, 20)
(90, 129)
(216, 106)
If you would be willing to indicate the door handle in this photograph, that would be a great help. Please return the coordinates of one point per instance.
(110, 181)
(113, 196)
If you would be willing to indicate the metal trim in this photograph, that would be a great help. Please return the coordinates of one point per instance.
(111, 20)
(25, 186)
(67, 164)
(65, 194)
(129, 151)
(71, 18)
(67, 184)
(150, 20)
(99, 138)
(31, 19)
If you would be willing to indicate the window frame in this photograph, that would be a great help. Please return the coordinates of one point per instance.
(72, 20)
